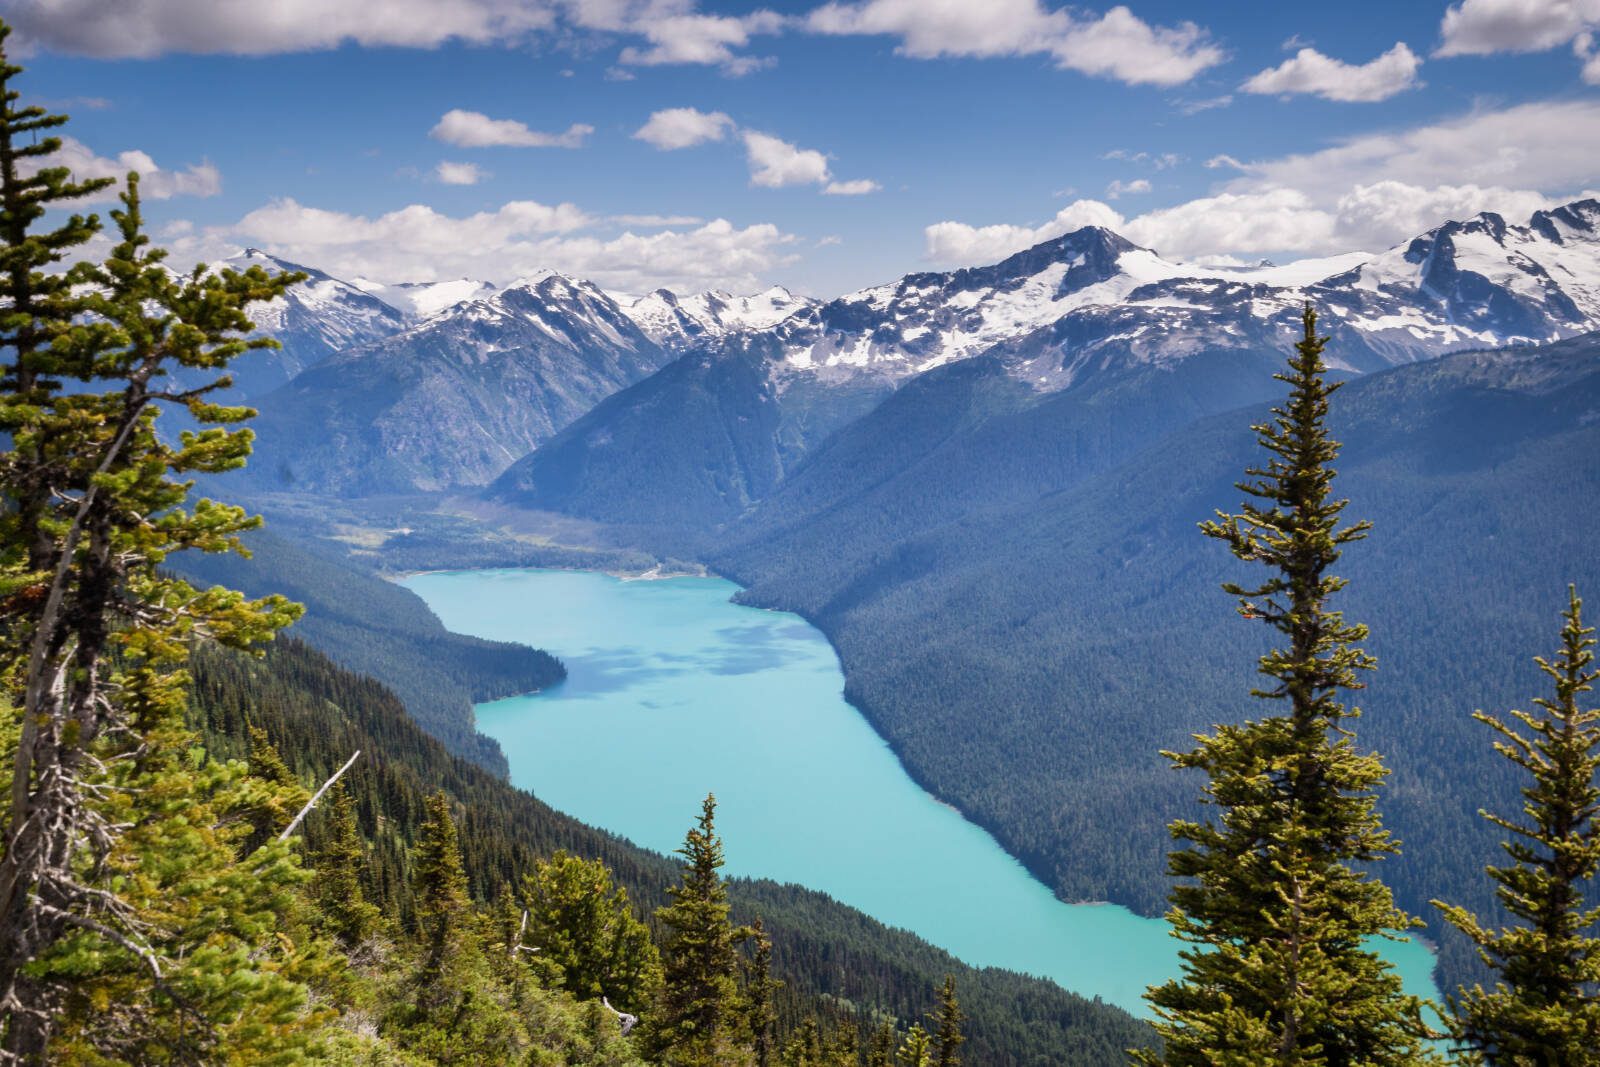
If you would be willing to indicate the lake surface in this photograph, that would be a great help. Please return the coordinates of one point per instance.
(674, 692)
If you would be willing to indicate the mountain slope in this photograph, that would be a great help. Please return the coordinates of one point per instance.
(1087, 313)
(312, 321)
(455, 399)
(826, 954)
(1030, 658)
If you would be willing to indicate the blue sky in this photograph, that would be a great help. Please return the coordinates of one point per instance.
(839, 145)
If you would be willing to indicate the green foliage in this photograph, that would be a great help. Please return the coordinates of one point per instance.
(136, 912)
(761, 990)
(947, 1033)
(697, 1020)
(1272, 897)
(1545, 1007)
(379, 628)
(917, 1049)
(582, 929)
(340, 862)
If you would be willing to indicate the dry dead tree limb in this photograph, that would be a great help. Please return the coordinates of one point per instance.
(290, 829)
(626, 1021)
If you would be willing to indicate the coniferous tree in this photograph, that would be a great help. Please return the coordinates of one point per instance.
(917, 1048)
(881, 1049)
(697, 1019)
(94, 634)
(1273, 907)
(588, 938)
(948, 1020)
(1545, 1007)
(760, 994)
(439, 888)
(339, 860)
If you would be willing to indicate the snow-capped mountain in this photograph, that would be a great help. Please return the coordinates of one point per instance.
(1055, 359)
(1091, 296)
(456, 397)
(681, 322)
(313, 320)
(418, 300)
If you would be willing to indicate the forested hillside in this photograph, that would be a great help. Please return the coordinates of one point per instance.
(1029, 662)
(378, 628)
(833, 960)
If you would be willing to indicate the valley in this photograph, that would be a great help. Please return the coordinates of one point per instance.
(672, 690)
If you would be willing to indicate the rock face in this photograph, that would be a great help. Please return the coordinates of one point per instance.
(454, 399)
(315, 319)
(452, 383)
(1139, 344)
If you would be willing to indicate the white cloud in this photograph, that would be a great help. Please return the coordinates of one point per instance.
(459, 173)
(702, 39)
(197, 179)
(1137, 187)
(1343, 198)
(1583, 47)
(857, 187)
(1116, 45)
(1373, 216)
(1160, 161)
(957, 243)
(1483, 27)
(474, 129)
(1530, 146)
(1309, 71)
(654, 221)
(683, 127)
(417, 243)
(775, 162)
(146, 28)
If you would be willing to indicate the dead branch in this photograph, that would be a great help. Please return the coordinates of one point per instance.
(295, 824)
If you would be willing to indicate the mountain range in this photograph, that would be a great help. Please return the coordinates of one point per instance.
(982, 485)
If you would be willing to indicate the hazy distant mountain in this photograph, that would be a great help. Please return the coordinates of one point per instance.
(454, 399)
(315, 319)
(1088, 313)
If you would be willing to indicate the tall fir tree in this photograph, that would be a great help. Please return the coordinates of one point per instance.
(340, 860)
(947, 1039)
(697, 1021)
(761, 991)
(1278, 915)
(1545, 1007)
(94, 633)
(439, 891)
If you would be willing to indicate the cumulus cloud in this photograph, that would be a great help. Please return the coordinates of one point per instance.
(856, 187)
(775, 162)
(474, 129)
(957, 243)
(683, 127)
(1342, 198)
(1137, 187)
(1309, 71)
(143, 28)
(155, 183)
(458, 173)
(1529, 146)
(1483, 27)
(418, 243)
(1158, 160)
(1116, 45)
(709, 40)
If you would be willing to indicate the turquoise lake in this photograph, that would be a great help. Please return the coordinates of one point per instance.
(674, 692)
